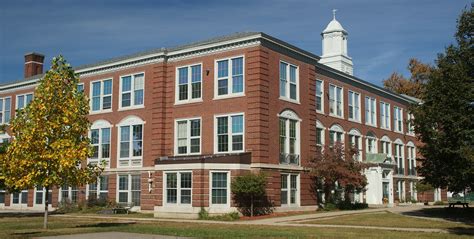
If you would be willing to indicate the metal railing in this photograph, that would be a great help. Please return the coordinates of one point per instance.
(401, 171)
(289, 158)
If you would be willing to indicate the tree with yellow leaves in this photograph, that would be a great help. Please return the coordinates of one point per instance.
(50, 140)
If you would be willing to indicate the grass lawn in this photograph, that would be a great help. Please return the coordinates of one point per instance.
(25, 227)
(387, 219)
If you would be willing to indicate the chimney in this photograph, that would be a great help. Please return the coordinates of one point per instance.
(33, 64)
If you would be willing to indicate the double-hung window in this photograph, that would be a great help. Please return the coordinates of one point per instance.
(386, 147)
(289, 190)
(178, 188)
(20, 197)
(354, 106)
(129, 189)
(230, 133)
(398, 119)
(356, 141)
(100, 140)
(68, 194)
(319, 134)
(188, 136)
(188, 83)
(370, 111)
(411, 160)
(23, 100)
(131, 145)
(411, 128)
(99, 189)
(371, 144)
(399, 158)
(220, 186)
(132, 90)
(289, 140)
(80, 87)
(319, 96)
(230, 77)
(5, 110)
(336, 135)
(384, 115)
(289, 81)
(40, 196)
(335, 101)
(101, 95)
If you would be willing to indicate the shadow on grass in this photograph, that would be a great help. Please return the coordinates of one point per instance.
(21, 214)
(106, 224)
(26, 233)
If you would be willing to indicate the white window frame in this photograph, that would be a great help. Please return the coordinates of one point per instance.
(289, 189)
(69, 194)
(400, 157)
(24, 99)
(398, 118)
(353, 135)
(229, 133)
(386, 146)
(229, 78)
(212, 205)
(100, 125)
(411, 150)
(178, 189)
(374, 149)
(190, 88)
(130, 121)
(320, 126)
(354, 94)
(43, 196)
(288, 115)
(372, 109)
(82, 85)
(20, 197)
(101, 96)
(322, 96)
(188, 136)
(5, 112)
(336, 101)
(129, 189)
(385, 120)
(99, 189)
(288, 83)
(132, 92)
(411, 127)
(336, 129)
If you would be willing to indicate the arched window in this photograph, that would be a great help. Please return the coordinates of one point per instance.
(100, 140)
(371, 143)
(336, 134)
(130, 140)
(411, 158)
(386, 145)
(289, 137)
(356, 140)
(319, 133)
(399, 155)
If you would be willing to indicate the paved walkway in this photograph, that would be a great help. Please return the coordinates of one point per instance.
(113, 235)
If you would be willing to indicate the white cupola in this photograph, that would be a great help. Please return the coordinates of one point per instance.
(335, 47)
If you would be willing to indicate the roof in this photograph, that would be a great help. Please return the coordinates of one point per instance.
(334, 26)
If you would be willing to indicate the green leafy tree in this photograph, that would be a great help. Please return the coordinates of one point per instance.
(248, 187)
(445, 119)
(421, 188)
(50, 136)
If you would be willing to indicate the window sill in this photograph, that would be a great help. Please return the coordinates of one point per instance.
(385, 128)
(100, 112)
(336, 116)
(320, 111)
(289, 100)
(371, 125)
(355, 121)
(131, 108)
(185, 102)
(230, 152)
(228, 96)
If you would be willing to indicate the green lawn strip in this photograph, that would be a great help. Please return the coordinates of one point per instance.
(14, 227)
(385, 219)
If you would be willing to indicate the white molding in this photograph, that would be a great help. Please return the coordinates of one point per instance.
(208, 166)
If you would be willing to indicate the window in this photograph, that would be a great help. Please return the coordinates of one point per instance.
(386, 146)
(178, 188)
(100, 188)
(131, 142)
(2, 195)
(319, 134)
(69, 194)
(40, 196)
(335, 101)
(398, 119)
(401, 190)
(230, 77)
(100, 140)
(230, 133)
(370, 111)
(23, 100)
(5, 110)
(399, 157)
(319, 96)
(371, 143)
(188, 136)
(289, 189)
(132, 90)
(80, 87)
(289, 138)
(188, 83)
(129, 189)
(219, 188)
(20, 197)
(411, 128)
(101, 95)
(411, 159)
(336, 134)
(288, 81)
(384, 115)
(354, 106)
(356, 140)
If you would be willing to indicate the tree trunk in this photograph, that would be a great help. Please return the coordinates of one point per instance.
(251, 206)
(46, 201)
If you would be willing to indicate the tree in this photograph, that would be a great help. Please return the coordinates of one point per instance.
(421, 187)
(415, 85)
(336, 164)
(50, 136)
(248, 187)
(445, 119)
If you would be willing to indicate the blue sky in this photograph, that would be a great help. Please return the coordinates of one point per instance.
(383, 35)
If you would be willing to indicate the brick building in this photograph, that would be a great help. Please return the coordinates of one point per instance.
(176, 125)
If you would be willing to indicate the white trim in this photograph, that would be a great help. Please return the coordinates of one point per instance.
(322, 96)
(396, 120)
(354, 93)
(288, 190)
(188, 136)
(130, 121)
(288, 83)
(129, 189)
(206, 166)
(386, 114)
(227, 205)
(178, 203)
(37, 62)
(189, 84)
(371, 109)
(101, 96)
(335, 101)
(4, 105)
(229, 133)
(24, 99)
(229, 78)
(132, 91)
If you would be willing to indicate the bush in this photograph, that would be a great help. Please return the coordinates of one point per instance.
(439, 203)
(231, 216)
(328, 207)
(347, 205)
(249, 194)
(66, 206)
